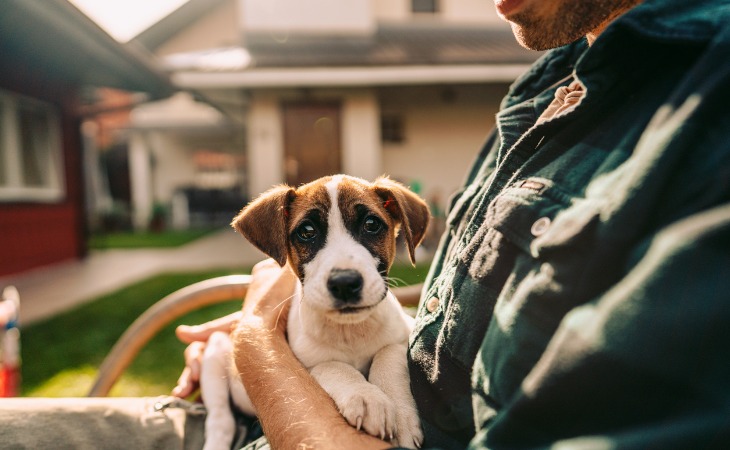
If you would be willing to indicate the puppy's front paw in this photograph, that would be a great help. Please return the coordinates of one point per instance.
(368, 408)
(409, 432)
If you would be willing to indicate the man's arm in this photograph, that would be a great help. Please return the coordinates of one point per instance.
(295, 412)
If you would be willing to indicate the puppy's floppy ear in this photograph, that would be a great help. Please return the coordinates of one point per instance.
(407, 208)
(264, 222)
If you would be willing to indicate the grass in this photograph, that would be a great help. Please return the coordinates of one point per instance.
(61, 355)
(129, 240)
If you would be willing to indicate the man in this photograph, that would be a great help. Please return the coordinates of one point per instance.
(580, 294)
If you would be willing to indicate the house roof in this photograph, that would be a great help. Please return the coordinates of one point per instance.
(52, 37)
(393, 44)
(164, 29)
(414, 52)
(394, 54)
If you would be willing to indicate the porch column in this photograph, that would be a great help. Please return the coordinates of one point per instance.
(362, 153)
(265, 145)
(140, 173)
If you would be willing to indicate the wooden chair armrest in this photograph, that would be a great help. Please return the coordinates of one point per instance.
(408, 296)
(177, 304)
(171, 307)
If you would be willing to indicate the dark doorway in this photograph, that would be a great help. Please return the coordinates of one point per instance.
(311, 141)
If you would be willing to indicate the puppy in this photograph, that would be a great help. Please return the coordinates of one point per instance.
(338, 236)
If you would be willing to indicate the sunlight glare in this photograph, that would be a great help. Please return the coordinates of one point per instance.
(124, 19)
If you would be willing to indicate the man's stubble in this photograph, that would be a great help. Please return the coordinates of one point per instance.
(569, 21)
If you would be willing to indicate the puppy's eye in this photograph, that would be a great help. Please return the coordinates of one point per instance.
(306, 232)
(372, 225)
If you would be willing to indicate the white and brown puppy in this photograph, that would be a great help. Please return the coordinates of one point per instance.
(338, 235)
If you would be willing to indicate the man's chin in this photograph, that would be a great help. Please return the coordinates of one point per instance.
(533, 38)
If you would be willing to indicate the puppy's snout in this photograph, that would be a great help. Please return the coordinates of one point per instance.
(345, 285)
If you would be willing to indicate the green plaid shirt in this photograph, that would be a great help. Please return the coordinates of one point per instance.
(581, 294)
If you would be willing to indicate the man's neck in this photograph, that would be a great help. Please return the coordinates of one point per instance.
(593, 34)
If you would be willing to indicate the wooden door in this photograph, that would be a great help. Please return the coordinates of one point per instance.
(311, 141)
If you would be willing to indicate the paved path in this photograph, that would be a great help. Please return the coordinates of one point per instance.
(50, 290)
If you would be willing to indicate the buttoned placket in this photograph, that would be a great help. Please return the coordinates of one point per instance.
(509, 167)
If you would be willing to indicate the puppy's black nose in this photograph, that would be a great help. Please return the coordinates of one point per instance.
(345, 285)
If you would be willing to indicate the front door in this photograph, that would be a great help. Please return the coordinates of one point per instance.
(311, 141)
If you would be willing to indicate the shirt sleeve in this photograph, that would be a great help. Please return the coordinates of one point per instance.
(645, 365)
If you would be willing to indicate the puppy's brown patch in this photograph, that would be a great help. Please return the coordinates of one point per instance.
(311, 204)
(357, 202)
(407, 208)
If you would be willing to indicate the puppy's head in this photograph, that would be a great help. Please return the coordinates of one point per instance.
(338, 235)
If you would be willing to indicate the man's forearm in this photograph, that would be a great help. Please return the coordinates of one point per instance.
(294, 410)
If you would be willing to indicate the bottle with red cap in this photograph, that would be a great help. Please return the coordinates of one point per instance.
(9, 343)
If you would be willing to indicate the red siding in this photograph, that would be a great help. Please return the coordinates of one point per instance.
(36, 234)
(33, 236)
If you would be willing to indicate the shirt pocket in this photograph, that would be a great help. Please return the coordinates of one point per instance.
(512, 223)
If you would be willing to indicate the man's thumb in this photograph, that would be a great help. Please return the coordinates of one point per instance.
(192, 333)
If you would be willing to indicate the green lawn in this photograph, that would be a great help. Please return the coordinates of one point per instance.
(145, 239)
(61, 355)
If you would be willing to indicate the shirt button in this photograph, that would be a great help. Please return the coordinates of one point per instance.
(432, 304)
(540, 226)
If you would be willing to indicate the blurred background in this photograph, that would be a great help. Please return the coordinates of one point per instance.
(149, 124)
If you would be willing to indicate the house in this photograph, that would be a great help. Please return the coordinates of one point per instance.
(407, 88)
(53, 57)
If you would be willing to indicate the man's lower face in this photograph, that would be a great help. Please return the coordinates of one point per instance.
(546, 24)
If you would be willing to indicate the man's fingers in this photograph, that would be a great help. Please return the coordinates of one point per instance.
(190, 376)
(193, 333)
(185, 386)
(193, 359)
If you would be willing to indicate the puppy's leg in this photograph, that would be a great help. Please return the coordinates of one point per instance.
(238, 392)
(389, 372)
(361, 403)
(220, 425)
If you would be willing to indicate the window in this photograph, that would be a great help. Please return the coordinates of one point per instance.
(30, 150)
(424, 6)
(392, 129)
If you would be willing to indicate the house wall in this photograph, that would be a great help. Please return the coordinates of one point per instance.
(312, 16)
(163, 162)
(391, 9)
(160, 163)
(451, 10)
(218, 28)
(163, 141)
(37, 234)
(360, 137)
(444, 128)
(470, 11)
(351, 16)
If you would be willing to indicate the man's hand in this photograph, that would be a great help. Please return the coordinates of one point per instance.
(266, 304)
(294, 410)
(268, 297)
(196, 336)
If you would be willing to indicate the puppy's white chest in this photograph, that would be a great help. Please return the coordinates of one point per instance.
(311, 352)
(315, 340)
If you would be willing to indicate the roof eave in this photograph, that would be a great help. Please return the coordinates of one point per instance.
(350, 76)
(83, 40)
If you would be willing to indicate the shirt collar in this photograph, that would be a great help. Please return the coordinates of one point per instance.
(666, 21)
(674, 20)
